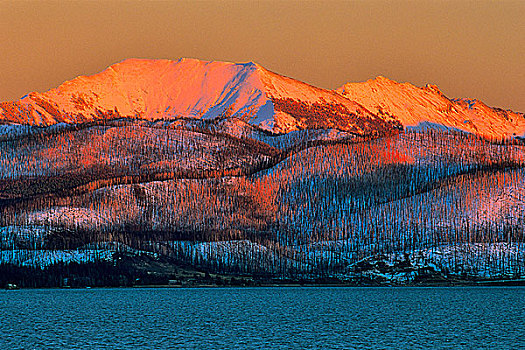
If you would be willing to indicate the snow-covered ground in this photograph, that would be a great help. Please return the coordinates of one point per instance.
(43, 258)
(89, 253)
(337, 258)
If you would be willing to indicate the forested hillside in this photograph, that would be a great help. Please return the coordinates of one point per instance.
(305, 205)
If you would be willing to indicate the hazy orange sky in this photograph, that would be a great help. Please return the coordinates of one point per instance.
(467, 48)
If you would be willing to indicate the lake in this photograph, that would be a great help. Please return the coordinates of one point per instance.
(264, 318)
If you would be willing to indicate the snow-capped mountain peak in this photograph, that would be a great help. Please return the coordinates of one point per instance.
(191, 88)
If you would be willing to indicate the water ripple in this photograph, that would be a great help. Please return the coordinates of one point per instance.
(264, 318)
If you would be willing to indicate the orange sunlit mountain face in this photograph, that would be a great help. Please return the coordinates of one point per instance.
(467, 49)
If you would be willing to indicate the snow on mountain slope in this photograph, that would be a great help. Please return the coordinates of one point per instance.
(426, 107)
(148, 89)
(299, 106)
(190, 88)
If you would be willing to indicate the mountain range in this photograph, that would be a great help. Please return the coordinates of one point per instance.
(156, 170)
(190, 88)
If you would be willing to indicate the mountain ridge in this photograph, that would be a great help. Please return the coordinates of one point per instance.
(164, 89)
(428, 106)
(190, 88)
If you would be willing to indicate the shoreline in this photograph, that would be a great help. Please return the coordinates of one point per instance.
(454, 284)
(143, 272)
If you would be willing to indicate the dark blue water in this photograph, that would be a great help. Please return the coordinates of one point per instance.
(264, 318)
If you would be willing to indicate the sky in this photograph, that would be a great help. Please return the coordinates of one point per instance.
(473, 49)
